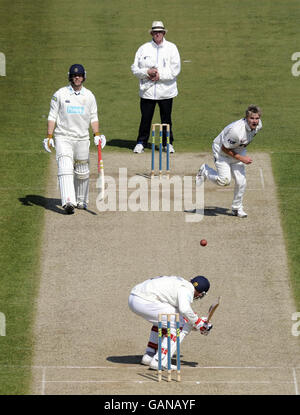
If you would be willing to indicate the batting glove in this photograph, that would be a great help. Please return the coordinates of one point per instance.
(48, 143)
(100, 138)
(203, 326)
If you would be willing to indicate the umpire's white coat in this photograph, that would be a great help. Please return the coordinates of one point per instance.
(165, 57)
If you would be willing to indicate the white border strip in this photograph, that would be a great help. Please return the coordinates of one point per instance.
(262, 180)
(295, 381)
(43, 381)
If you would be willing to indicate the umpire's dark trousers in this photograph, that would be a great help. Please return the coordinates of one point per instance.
(147, 107)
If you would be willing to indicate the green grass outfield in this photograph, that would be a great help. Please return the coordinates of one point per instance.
(237, 53)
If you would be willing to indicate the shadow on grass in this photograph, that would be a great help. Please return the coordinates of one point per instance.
(45, 202)
(122, 143)
(130, 144)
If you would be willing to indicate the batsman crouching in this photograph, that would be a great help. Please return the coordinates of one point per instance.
(72, 110)
(168, 295)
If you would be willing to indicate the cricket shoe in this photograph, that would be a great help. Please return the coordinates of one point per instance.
(69, 208)
(164, 364)
(139, 148)
(201, 175)
(171, 149)
(239, 212)
(146, 359)
(81, 205)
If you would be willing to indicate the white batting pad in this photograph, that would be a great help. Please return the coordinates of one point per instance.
(81, 181)
(66, 180)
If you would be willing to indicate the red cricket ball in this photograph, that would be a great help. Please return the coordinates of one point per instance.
(203, 242)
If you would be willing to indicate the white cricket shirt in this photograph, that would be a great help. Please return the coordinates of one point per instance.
(169, 289)
(73, 112)
(235, 136)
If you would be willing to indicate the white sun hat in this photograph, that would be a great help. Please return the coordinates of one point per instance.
(157, 26)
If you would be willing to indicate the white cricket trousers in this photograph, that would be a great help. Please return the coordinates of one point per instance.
(222, 177)
(150, 310)
(72, 157)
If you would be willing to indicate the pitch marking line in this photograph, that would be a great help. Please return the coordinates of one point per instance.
(255, 189)
(139, 366)
(44, 381)
(262, 180)
(295, 382)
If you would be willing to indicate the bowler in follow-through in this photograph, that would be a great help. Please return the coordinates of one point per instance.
(230, 156)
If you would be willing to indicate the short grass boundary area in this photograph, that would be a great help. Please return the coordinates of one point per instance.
(21, 225)
(286, 171)
(226, 65)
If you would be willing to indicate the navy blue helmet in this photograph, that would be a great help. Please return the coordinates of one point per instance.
(76, 69)
(200, 283)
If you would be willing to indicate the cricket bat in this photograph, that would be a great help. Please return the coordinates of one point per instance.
(212, 309)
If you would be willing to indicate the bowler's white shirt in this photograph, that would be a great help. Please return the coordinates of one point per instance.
(169, 289)
(235, 136)
(73, 111)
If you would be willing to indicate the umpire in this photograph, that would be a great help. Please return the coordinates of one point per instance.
(156, 65)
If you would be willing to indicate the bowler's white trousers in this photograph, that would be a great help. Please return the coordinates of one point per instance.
(226, 168)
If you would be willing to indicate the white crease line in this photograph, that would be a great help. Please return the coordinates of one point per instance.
(262, 180)
(100, 381)
(198, 382)
(140, 367)
(233, 382)
(43, 381)
(230, 189)
(295, 382)
(246, 382)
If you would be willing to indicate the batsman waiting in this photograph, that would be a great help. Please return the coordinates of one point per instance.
(229, 150)
(168, 295)
(73, 109)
